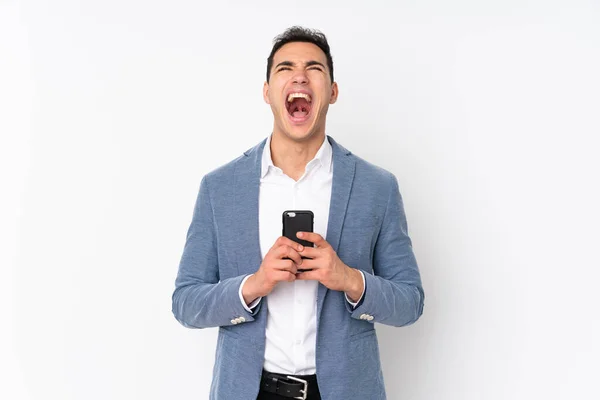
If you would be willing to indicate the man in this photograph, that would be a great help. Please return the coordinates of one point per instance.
(284, 333)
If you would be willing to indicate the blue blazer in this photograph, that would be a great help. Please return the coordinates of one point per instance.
(367, 228)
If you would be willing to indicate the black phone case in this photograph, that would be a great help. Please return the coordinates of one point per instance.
(295, 221)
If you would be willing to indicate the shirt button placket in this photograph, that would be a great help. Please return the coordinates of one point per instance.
(298, 329)
(293, 193)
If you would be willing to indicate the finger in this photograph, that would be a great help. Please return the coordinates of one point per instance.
(308, 276)
(310, 252)
(282, 240)
(285, 276)
(309, 264)
(286, 265)
(313, 238)
(294, 255)
(285, 251)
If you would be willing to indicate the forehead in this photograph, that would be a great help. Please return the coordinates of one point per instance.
(299, 52)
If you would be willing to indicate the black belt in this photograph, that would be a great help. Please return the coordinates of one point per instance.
(294, 386)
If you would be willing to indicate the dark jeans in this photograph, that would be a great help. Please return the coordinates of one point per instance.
(273, 396)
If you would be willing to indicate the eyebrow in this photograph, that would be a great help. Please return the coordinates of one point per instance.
(309, 63)
(291, 64)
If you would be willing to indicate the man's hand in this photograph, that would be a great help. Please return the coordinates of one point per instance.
(274, 269)
(327, 267)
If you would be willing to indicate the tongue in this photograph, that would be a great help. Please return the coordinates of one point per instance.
(299, 114)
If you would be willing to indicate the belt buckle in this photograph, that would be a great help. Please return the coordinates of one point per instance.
(303, 397)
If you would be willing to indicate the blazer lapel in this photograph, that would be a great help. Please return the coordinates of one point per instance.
(343, 176)
(244, 217)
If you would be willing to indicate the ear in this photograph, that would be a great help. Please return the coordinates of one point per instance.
(266, 92)
(334, 93)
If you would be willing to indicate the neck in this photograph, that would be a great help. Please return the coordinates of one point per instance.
(291, 155)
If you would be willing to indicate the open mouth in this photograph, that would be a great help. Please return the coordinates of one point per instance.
(298, 106)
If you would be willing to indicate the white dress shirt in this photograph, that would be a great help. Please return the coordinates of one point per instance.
(291, 330)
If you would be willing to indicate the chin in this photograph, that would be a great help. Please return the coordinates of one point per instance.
(299, 133)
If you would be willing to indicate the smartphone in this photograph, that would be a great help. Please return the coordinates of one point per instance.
(295, 221)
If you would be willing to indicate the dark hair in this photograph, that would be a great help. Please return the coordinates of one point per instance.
(300, 34)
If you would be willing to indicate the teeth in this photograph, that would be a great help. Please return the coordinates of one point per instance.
(293, 96)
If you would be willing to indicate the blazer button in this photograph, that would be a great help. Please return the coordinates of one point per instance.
(364, 316)
(370, 318)
(234, 321)
(242, 319)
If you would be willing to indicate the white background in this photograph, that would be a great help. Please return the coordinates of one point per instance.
(487, 112)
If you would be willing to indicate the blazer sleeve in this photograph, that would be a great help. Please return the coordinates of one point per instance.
(394, 294)
(201, 299)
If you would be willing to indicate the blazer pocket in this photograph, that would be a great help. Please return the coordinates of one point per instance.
(361, 335)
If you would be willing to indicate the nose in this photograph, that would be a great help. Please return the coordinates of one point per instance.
(300, 78)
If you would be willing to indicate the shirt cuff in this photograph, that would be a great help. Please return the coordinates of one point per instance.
(347, 299)
(255, 302)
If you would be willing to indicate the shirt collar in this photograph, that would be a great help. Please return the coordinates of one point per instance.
(323, 157)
